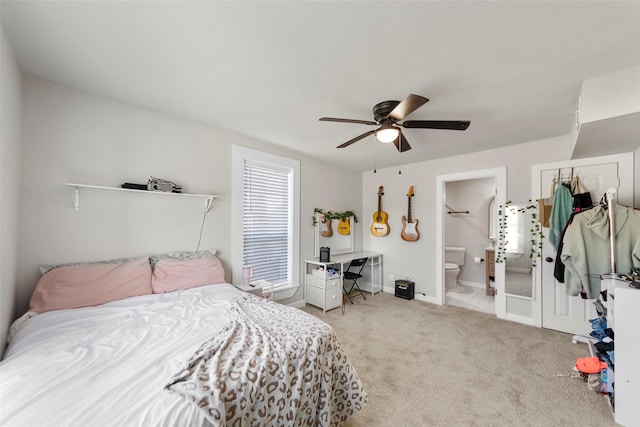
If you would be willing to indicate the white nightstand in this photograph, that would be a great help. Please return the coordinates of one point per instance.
(256, 289)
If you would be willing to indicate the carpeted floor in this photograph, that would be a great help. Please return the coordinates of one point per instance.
(428, 365)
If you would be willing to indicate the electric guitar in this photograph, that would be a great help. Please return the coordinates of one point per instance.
(409, 231)
(380, 226)
(344, 226)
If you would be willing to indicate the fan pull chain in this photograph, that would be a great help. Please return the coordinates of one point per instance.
(375, 168)
(399, 164)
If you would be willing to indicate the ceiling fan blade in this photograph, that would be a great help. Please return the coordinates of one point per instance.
(437, 124)
(356, 139)
(361, 122)
(401, 143)
(410, 104)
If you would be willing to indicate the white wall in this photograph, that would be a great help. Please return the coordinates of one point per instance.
(10, 142)
(417, 259)
(71, 136)
(470, 231)
(636, 180)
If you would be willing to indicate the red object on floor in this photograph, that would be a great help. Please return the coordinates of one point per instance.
(590, 365)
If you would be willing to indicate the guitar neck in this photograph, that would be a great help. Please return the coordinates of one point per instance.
(409, 209)
(379, 217)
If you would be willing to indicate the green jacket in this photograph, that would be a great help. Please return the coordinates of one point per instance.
(586, 247)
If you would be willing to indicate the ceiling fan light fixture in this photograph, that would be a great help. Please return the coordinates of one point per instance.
(387, 133)
(390, 117)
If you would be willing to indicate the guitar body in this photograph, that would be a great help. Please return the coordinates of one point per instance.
(325, 228)
(344, 226)
(380, 226)
(409, 231)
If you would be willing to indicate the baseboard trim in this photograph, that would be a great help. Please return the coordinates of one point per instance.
(519, 319)
(417, 296)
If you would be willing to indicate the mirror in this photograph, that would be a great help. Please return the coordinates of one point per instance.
(493, 219)
(335, 239)
(517, 228)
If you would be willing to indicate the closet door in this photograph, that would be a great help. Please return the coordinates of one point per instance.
(558, 310)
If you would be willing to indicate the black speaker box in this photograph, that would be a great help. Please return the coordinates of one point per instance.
(325, 254)
(405, 289)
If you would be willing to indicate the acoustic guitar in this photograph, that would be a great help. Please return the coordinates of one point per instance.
(380, 226)
(409, 231)
(344, 226)
(325, 228)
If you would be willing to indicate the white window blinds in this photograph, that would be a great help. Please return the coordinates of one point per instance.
(267, 222)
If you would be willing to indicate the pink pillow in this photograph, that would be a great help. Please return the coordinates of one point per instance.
(174, 274)
(86, 285)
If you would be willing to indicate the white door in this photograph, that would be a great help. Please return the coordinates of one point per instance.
(559, 311)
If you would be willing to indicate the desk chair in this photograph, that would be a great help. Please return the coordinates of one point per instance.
(353, 276)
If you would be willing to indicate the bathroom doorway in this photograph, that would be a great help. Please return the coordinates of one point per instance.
(467, 239)
(462, 220)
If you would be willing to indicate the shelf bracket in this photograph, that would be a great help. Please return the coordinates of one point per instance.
(208, 204)
(76, 198)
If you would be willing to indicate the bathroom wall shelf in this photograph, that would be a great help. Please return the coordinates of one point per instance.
(209, 199)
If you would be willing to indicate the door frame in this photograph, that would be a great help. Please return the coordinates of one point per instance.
(500, 175)
(625, 174)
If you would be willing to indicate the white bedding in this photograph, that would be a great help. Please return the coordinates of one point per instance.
(149, 333)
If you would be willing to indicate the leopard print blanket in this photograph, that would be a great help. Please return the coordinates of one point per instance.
(272, 365)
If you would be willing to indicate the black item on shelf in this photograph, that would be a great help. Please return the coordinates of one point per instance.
(405, 289)
(131, 186)
(325, 254)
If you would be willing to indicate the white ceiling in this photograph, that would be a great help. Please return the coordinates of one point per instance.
(270, 69)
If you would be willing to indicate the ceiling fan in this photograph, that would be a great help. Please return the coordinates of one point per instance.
(389, 114)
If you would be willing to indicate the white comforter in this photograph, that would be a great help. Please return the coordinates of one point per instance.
(50, 375)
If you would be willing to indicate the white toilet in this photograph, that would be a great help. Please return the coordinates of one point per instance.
(453, 259)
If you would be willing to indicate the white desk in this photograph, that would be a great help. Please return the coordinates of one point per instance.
(326, 292)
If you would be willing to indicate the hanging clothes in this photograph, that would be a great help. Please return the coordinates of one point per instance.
(581, 197)
(560, 213)
(586, 250)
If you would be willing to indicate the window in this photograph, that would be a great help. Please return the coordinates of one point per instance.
(266, 218)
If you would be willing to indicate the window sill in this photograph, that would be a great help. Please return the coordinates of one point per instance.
(282, 292)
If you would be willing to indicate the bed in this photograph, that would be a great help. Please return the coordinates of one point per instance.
(200, 356)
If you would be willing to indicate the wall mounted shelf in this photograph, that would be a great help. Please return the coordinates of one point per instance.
(209, 199)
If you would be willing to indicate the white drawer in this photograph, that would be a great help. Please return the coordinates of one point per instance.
(315, 296)
(333, 298)
(319, 281)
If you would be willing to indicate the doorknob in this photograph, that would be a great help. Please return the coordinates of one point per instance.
(549, 259)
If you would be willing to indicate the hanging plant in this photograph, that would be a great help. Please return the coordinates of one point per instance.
(328, 215)
(535, 235)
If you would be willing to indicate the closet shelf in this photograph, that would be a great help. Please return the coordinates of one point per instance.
(208, 198)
